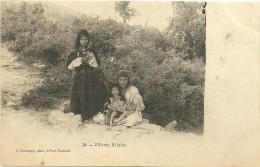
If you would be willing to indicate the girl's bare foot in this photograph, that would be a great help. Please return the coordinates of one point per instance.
(111, 123)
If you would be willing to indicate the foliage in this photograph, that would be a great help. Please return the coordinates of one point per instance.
(168, 69)
(187, 29)
(55, 88)
(123, 9)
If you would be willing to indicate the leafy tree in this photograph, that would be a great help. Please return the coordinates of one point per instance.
(123, 9)
(187, 29)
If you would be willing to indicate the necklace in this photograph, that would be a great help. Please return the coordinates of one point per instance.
(83, 49)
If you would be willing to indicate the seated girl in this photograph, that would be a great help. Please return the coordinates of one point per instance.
(132, 114)
(116, 106)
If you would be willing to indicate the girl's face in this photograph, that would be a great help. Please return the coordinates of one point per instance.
(83, 41)
(123, 81)
(115, 91)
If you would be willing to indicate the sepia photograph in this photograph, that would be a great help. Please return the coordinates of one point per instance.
(107, 79)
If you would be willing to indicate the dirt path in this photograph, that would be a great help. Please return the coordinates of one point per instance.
(17, 78)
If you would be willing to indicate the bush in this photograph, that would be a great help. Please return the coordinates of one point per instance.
(54, 88)
(46, 96)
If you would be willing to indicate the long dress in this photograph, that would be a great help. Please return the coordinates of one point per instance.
(83, 88)
(102, 94)
(135, 105)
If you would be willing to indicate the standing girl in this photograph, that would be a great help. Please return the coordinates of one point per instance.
(82, 63)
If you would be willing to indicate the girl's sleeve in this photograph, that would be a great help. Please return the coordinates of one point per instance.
(70, 58)
(139, 104)
(93, 62)
(136, 99)
(73, 61)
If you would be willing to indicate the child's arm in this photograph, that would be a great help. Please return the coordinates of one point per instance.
(107, 104)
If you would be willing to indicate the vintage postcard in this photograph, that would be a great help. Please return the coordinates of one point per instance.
(130, 83)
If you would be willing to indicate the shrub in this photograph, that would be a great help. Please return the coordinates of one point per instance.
(46, 96)
(54, 88)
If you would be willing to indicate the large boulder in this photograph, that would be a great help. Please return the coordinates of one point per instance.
(64, 121)
(12, 105)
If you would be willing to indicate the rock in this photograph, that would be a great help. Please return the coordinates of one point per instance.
(64, 122)
(146, 126)
(145, 121)
(39, 65)
(94, 130)
(116, 128)
(10, 103)
(170, 127)
(70, 114)
(89, 121)
(12, 94)
(146, 116)
(65, 107)
(13, 59)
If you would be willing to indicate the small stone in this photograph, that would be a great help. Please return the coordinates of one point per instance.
(89, 121)
(10, 103)
(12, 94)
(41, 66)
(170, 126)
(65, 107)
(145, 126)
(70, 114)
(116, 128)
(145, 121)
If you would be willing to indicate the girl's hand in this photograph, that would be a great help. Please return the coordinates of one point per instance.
(85, 59)
(115, 122)
(109, 106)
(75, 63)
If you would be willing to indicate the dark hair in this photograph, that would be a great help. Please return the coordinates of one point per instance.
(115, 85)
(81, 33)
(77, 43)
(98, 72)
(124, 73)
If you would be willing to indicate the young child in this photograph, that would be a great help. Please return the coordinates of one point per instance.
(115, 106)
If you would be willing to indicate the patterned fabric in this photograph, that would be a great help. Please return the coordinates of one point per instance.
(135, 106)
(117, 104)
(78, 61)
